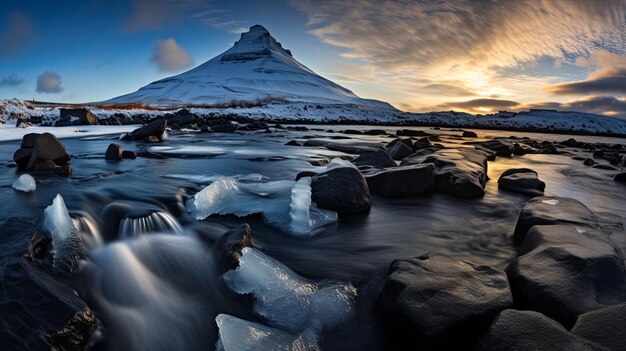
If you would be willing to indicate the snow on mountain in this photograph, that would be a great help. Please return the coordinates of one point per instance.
(257, 67)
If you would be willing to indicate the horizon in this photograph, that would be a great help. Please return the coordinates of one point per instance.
(420, 57)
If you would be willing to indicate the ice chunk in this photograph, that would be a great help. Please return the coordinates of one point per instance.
(285, 299)
(201, 179)
(240, 335)
(67, 247)
(338, 163)
(284, 204)
(25, 183)
(155, 222)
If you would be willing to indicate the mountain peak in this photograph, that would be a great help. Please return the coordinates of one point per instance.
(256, 43)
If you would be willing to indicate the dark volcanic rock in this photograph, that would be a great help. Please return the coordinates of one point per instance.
(434, 300)
(552, 210)
(399, 151)
(85, 117)
(228, 246)
(469, 134)
(114, 152)
(571, 142)
(604, 326)
(514, 330)
(129, 154)
(402, 181)
(461, 172)
(501, 147)
(152, 132)
(45, 166)
(378, 159)
(343, 190)
(521, 180)
(620, 177)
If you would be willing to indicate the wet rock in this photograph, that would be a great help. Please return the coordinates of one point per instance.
(620, 177)
(351, 131)
(129, 154)
(228, 246)
(521, 180)
(114, 152)
(343, 190)
(571, 142)
(412, 133)
(45, 166)
(603, 326)
(589, 162)
(182, 118)
(375, 132)
(604, 167)
(46, 147)
(378, 159)
(305, 174)
(469, 134)
(223, 128)
(402, 181)
(152, 132)
(436, 301)
(501, 147)
(548, 149)
(422, 143)
(205, 129)
(21, 157)
(85, 117)
(514, 330)
(399, 151)
(63, 171)
(519, 149)
(293, 143)
(460, 172)
(552, 210)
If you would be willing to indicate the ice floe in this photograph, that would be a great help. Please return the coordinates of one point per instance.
(67, 246)
(25, 183)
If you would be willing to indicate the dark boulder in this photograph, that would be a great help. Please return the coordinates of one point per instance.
(129, 154)
(402, 181)
(46, 147)
(21, 157)
(114, 152)
(406, 141)
(520, 149)
(399, 151)
(45, 166)
(412, 133)
(589, 162)
(228, 246)
(571, 142)
(620, 177)
(604, 326)
(378, 159)
(422, 143)
(85, 117)
(152, 132)
(293, 143)
(305, 174)
(469, 134)
(552, 210)
(22, 123)
(437, 301)
(227, 127)
(343, 190)
(521, 180)
(501, 147)
(514, 330)
(375, 132)
(63, 171)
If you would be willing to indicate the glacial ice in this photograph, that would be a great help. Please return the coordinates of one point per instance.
(285, 299)
(284, 204)
(67, 246)
(338, 163)
(240, 335)
(155, 222)
(25, 183)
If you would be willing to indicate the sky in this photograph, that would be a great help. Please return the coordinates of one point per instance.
(418, 55)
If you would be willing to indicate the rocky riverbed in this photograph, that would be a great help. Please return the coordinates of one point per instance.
(317, 237)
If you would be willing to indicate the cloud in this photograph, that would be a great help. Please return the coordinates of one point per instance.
(170, 57)
(12, 80)
(49, 82)
(18, 34)
(610, 80)
(608, 105)
(480, 105)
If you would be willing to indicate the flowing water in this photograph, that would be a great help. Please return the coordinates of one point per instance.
(163, 291)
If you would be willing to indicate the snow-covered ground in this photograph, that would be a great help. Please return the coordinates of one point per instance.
(9, 132)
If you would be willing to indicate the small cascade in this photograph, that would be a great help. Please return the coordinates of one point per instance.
(154, 222)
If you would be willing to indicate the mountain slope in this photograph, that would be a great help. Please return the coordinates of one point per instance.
(256, 67)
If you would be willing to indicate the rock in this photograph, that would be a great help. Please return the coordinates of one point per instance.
(437, 301)
(293, 143)
(519, 150)
(48, 148)
(501, 147)
(28, 140)
(604, 326)
(552, 210)
(343, 190)
(402, 181)
(460, 172)
(205, 129)
(152, 132)
(64, 171)
(375, 132)
(114, 152)
(45, 166)
(468, 134)
(223, 128)
(413, 133)
(620, 177)
(566, 271)
(521, 180)
(21, 157)
(399, 151)
(85, 117)
(422, 143)
(228, 246)
(605, 167)
(305, 174)
(571, 142)
(589, 162)
(21, 123)
(514, 330)
(183, 118)
(378, 159)
(548, 149)
(407, 142)
(129, 154)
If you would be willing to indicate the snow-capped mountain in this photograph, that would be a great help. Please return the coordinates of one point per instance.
(255, 68)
